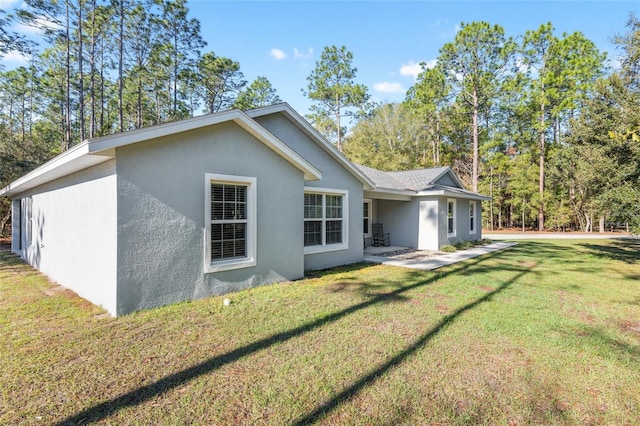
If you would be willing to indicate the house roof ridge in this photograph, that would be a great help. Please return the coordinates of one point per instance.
(94, 151)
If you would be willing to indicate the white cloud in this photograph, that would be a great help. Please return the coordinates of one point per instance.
(15, 57)
(387, 87)
(301, 55)
(413, 69)
(36, 29)
(277, 53)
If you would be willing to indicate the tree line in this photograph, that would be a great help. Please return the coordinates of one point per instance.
(108, 66)
(538, 122)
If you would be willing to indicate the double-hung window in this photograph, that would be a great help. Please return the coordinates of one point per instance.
(230, 216)
(451, 218)
(325, 220)
(472, 217)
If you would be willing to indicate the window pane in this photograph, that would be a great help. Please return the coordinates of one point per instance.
(334, 232)
(312, 206)
(216, 192)
(450, 225)
(312, 233)
(228, 240)
(334, 206)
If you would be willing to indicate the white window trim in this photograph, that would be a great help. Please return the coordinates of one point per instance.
(452, 234)
(252, 230)
(472, 217)
(368, 232)
(323, 248)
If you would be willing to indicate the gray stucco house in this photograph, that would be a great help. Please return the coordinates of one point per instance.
(424, 209)
(219, 203)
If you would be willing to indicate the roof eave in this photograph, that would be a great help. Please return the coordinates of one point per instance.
(96, 151)
(455, 194)
(73, 160)
(305, 127)
(389, 194)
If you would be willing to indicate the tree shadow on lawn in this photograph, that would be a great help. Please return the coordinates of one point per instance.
(135, 397)
(625, 249)
(384, 368)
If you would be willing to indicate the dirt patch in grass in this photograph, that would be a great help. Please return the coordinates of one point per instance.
(528, 264)
(632, 327)
(487, 341)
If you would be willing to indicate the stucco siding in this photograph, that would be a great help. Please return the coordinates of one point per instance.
(68, 232)
(447, 181)
(462, 222)
(161, 216)
(335, 177)
(400, 220)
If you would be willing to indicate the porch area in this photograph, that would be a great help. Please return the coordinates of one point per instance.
(377, 251)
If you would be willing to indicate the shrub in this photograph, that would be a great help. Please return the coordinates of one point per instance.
(448, 248)
(463, 245)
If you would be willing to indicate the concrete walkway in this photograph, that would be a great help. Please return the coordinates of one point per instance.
(440, 261)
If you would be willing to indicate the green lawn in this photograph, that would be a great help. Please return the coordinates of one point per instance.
(547, 332)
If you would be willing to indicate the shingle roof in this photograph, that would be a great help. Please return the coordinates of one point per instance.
(410, 180)
(418, 180)
(382, 179)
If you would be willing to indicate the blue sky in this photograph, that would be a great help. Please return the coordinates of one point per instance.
(283, 40)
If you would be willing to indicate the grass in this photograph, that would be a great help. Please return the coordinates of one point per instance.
(547, 332)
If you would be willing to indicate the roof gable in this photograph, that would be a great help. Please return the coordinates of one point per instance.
(303, 125)
(98, 150)
(432, 181)
(418, 180)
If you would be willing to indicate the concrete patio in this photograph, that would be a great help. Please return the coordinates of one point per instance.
(375, 255)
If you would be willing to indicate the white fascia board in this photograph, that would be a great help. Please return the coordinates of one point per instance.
(235, 115)
(312, 133)
(160, 130)
(260, 133)
(96, 151)
(454, 194)
(74, 159)
(389, 194)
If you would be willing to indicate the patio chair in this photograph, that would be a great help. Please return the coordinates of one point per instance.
(379, 237)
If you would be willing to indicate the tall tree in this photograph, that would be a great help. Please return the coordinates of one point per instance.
(391, 138)
(221, 80)
(259, 93)
(429, 98)
(560, 70)
(332, 84)
(10, 40)
(475, 62)
(183, 41)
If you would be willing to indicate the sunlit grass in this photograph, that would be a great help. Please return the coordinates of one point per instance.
(547, 332)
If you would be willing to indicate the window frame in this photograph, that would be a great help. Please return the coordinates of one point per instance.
(367, 230)
(323, 247)
(249, 260)
(472, 217)
(451, 202)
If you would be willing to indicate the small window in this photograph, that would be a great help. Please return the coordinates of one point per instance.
(230, 222)
(366, 214)
(451, 218)
(472, 217)
(324, 220)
